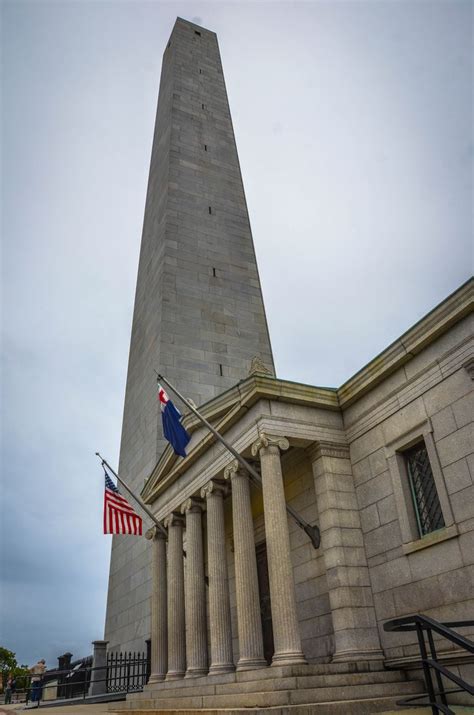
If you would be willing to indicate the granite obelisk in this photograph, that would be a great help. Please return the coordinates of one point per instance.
(199, 313)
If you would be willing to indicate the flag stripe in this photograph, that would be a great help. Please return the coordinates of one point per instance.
(119, 516)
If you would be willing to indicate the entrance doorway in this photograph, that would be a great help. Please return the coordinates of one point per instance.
(265, 603)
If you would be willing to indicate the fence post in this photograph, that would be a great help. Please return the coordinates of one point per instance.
(98, 684)
(148, 660)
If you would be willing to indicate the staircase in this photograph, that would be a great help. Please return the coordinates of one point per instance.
(333, 689)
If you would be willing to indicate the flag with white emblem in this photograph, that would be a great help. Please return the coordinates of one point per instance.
(173, 430)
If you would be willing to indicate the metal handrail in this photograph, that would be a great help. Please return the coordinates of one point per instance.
(422, 624)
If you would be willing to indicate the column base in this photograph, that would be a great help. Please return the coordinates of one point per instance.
(296, 658)
(175, 675)
(352, 656)
(251, 663)
(218, 669)
(196, 672)
(157, 677)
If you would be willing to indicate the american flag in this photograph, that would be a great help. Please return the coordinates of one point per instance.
(119, 516)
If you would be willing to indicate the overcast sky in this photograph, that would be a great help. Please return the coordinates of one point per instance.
(353, 123)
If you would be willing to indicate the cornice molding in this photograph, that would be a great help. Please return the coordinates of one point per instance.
(427, 330)
(327, 449)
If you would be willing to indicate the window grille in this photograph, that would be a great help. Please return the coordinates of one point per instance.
(423, 488)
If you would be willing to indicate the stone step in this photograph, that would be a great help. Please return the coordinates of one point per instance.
(259, 699)
(363, 706)
(272, 672)
(458, 709)
(291, 683)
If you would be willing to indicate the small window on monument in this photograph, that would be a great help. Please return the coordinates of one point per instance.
(197, 33)
(214, 272)
(220, 370)
(426, 503)
(200, 71)
(203, 106)
(205, 147)
(210, 209)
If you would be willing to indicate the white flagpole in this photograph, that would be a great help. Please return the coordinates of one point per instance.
(311, 531)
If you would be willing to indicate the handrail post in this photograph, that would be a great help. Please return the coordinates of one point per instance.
(426, 668)
(439, 679)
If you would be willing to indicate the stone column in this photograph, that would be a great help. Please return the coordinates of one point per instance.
(98, 684)
(249, 624)
(176, 622)
(286, 632)
(159, 606)
(350, 595)
(219, 600)
(195, 600)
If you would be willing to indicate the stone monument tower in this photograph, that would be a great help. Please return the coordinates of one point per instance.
(199, 314)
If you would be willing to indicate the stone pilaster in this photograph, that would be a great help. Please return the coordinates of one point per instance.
(176, 622)
(159, 606)
(219, 600)
(98, 684)
(195, 598)
(249, 624)
(350, 595)
(286, 631)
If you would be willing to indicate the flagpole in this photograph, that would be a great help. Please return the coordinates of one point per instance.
(137, 499)
(311, 531)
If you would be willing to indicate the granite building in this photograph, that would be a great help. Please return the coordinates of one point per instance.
(384, 465)
(198, 314)
(255, 616)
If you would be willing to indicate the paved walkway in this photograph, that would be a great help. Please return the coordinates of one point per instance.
(95, 709)
(103, 709)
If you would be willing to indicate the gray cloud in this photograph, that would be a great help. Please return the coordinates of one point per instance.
(354, 128)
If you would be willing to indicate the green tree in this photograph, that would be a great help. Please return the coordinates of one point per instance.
(8, 663)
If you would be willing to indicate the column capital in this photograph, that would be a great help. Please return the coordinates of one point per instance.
(194, 504)
(327, 449)
(154, 533)
(265, 440)
(234, 468)
(214, 486)
(173, 519)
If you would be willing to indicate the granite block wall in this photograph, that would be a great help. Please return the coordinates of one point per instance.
(432, 399)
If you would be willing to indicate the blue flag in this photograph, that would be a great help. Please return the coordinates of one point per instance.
(172, 427)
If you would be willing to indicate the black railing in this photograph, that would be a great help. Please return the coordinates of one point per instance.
(126, 672)
(437, 696)
(123, 673)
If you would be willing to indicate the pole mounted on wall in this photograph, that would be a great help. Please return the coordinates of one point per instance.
(312, 531)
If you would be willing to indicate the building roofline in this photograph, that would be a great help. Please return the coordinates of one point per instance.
(450, 311)
(227, 408)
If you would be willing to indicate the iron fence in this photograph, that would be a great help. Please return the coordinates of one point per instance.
(123, 673)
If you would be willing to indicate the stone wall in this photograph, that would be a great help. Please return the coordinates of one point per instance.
(431, 397)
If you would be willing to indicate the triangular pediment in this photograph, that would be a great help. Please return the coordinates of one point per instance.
(223, 412)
